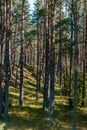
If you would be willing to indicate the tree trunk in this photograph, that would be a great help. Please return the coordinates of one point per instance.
(60, 54)
(1, 69)
(46, 84)
(21, 55)
(52, 62)
(38, 58)
(75, 66)
(7, 64)
(85, 60)
(71, 55)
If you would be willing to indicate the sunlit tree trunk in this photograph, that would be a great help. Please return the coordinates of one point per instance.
(52, 60)
(60, 49)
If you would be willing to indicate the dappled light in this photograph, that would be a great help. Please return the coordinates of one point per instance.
(43, 65)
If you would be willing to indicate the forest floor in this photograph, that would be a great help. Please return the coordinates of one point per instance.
(31, 116)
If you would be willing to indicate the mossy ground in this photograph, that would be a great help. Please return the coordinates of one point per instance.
(31, 116)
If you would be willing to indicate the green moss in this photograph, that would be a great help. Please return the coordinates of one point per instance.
(31, 116)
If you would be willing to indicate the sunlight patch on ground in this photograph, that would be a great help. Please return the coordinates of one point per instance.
(83, 110)
(31, 116)
(61, 100)
(2, 125)
(15, 94)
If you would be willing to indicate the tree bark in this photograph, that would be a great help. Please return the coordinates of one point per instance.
(52, 61)
(21, 55)
(46, 84)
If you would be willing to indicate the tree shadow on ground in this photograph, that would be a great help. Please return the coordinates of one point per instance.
(27, 118)
(65, 116)
(31, 84)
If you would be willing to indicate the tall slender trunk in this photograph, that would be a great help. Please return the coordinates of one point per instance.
(37, 85)
(10, 46)
(71, 55)
(85, 60)
(52, 61)
(7, 64)
(1, 69)
(83, 88)
(75, 65)
(46, 83)
(60, 54)
(43, 59)
(21, 55)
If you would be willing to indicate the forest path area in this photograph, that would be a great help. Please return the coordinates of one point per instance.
(31, 116)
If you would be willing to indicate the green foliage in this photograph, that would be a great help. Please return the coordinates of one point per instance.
(63, 22)
(42, 12)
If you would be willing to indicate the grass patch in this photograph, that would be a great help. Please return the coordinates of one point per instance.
(31, 116)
